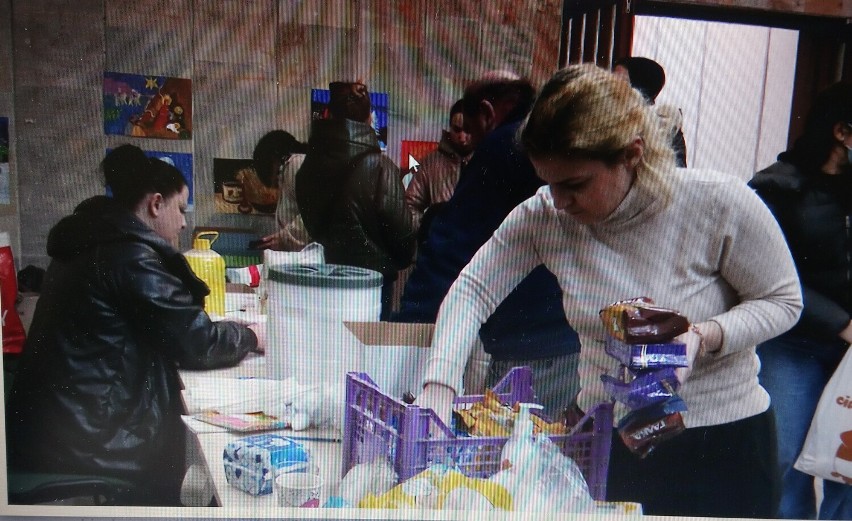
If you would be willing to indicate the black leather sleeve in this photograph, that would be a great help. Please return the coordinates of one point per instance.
(166, 318)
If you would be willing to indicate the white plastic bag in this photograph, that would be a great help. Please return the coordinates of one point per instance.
(313, 253)
(827, 452)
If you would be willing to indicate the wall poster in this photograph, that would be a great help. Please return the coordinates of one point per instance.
(238, 189)
(147, 106)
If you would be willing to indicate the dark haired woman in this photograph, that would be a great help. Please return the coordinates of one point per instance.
(97, 390)
(277, 157)
(809, 190)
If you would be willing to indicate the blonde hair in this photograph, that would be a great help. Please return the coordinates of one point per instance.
(586, 110)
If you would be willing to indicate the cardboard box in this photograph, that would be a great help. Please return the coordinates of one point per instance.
(394, 354)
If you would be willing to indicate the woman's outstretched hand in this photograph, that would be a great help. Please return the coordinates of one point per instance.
(439, 398)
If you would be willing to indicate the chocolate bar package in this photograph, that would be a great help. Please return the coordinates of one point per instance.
(640, 357)
(647, 389)
(644, 429)
(638, 321)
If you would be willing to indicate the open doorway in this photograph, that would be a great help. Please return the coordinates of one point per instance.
(733, 84)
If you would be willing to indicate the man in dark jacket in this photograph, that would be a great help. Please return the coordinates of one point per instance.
(350, 195)
(97, 391)
(529, 327)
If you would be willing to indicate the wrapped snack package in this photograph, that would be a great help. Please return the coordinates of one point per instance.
(644, 429)
(252, 463)
(639, 357)
(646, 389)
(491, 417)
(638, 321)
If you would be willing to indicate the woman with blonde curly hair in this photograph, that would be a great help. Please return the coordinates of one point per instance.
(617, 221)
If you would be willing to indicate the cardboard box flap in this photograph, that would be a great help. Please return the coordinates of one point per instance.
(392, 333)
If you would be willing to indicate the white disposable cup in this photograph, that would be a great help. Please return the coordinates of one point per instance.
(298, 489)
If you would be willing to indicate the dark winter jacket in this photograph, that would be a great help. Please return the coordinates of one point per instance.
(97, 389)
(815, 212)
(530, 323)
(350, 197)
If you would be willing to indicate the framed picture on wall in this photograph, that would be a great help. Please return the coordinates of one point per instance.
(238, 189)
(147, 106)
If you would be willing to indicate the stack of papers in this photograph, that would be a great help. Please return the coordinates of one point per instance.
(242, 404)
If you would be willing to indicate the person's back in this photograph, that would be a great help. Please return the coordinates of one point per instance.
(530, 324)
(350, 195)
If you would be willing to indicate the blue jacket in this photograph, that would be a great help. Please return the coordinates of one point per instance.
(530, 323)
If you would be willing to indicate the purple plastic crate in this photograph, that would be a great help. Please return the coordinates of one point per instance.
(412, 438)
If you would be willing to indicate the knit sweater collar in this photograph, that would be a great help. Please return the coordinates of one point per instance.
(646, 197)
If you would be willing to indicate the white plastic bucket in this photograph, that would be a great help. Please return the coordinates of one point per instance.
(308, 304)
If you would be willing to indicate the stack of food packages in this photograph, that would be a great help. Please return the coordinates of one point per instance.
(641, 336)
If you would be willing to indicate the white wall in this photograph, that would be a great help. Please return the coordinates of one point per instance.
(734, 84)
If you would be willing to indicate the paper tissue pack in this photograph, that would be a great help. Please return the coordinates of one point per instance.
(253, 462)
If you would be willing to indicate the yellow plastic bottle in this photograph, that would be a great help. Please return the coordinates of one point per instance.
(209, 266)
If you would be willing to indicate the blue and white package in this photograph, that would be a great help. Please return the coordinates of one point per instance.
(253, 462)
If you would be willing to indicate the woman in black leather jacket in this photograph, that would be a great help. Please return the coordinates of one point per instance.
(97, 389)
(809, 190)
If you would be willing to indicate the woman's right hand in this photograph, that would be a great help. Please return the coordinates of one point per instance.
(439, 398)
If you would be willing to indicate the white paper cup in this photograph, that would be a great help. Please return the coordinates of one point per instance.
(298, 489)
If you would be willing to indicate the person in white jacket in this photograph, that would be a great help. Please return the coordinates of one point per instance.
(616, 221)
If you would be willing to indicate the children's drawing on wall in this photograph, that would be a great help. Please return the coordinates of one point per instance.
(5, 194)
(378, 111)
(181, 161)
(412, 152)
(147, 106)
(238, 189)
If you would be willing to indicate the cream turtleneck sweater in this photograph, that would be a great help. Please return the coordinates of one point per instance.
(709, 248)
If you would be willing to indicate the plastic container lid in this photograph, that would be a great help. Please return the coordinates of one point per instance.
(325, 276)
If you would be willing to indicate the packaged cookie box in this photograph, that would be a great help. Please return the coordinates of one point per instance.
(253, 462)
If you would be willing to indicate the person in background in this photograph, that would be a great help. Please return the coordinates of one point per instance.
(529, 327)
(277, 157)
(97, 389)
(809, 190)
(617, 221)
(436, 179)
(648, 77)
(350, 195)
